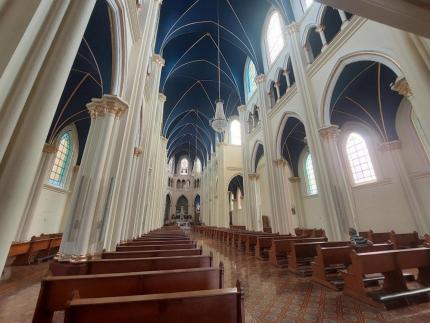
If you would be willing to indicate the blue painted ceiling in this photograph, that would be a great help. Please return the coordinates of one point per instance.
(363, 94)
(188, 41)
(90, 77)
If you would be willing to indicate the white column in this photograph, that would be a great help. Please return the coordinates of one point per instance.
(297, 202)
(278, 92)
(46, 161)
(304, 87)
(320, 30)
(26, 63)
(421, 222)
(18, 168)
(287, 78)
(82, 238)
(343, 17)
(282, 190)
(257, 222)
(269, 154)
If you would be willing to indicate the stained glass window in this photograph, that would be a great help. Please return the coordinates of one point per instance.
(198, 166)
(359, 159)
(250, 75)
(184, 166)
(311, 183)
(61, 165)
(274, 37)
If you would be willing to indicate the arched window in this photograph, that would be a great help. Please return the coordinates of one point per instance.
(184, 166)
(274, 37)
(308, 3)
(171, 166)
(250, 75)
(235, 136)
(359, 159)
(198, 166)
(311, 183)
(61, 165)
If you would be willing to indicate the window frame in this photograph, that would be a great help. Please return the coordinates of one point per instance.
(235, 120)
(306, 174)
(270, 62)
(247, 79)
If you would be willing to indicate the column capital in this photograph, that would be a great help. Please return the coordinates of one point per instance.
(161, 97)
(164, 139)
(158, 59)
(108, 104)
(293, 28)
(402, 87)
(390, 145)
(260, 79)
(241, 108)
(253, 176)
(76, 168)
(49, 148)
(137, 151)
(280, 162)
(329, 132)
(294, 179)
(320, 28)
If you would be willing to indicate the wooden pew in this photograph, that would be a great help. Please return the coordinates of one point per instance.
(252, 239)
(376, 237)
(406, 240)
(152, 253)
(155, 242)
(263, 244)
(280, 248)
(107, 266)
(155, 247)
(394, 291)
(331, 260)
(55, 292)
(302, 254)
(209, 306)
(37, 249)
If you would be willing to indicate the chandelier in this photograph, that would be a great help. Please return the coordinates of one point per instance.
(219, 122)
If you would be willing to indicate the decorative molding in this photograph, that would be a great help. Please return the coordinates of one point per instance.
(137, 151)
(390, 145)
(49, 148)
(402, 87)
(329, 132)
(162, 97)
(295, 179)
(253, 176)
(260, 79)
(158, 59)
(293, 28)
(320, 28)
(234, 169)
(241, 108)
(108, 104)
(280, 162)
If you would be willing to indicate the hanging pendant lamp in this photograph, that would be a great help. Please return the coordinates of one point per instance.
(219, 122)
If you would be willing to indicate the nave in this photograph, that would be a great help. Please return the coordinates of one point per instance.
(272, 294)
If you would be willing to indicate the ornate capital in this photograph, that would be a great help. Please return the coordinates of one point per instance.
(161, 97)
(293, 28)
(49, 148)
(253, 176)
(158, 59)
(76, 168)
(390, 145)
(137, 151)
(320, 28)
(280, 162)
(108, 104)
(260, 78)
(402, 87)
(329, 132)
(294, 179)
(241, 108)
(164, 139)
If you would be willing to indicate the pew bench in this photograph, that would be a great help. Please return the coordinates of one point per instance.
(55, 292)
(108, 266)
(391, 264)
(155, 247)
(156, 242)
(151, 253)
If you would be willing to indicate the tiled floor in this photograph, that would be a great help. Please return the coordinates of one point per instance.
(271, 294)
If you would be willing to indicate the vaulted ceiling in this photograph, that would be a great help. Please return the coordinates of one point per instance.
(188, 40)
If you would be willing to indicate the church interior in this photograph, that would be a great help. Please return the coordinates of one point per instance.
(214, 161)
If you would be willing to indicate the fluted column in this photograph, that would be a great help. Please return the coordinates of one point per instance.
(269, 155)
(284, 195)
(421, 222)
(83, 235)
(255, 213)
(332, 218)
(46, 161)
(297, 208)
(18, 168)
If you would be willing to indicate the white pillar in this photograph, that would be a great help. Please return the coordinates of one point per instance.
(320, 30)
(343, 17)
(18, 168)
(82, 238)
(46, 161)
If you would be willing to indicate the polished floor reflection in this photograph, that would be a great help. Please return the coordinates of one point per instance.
(271, 294)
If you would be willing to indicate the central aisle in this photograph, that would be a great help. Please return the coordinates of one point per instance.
(274, 295)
